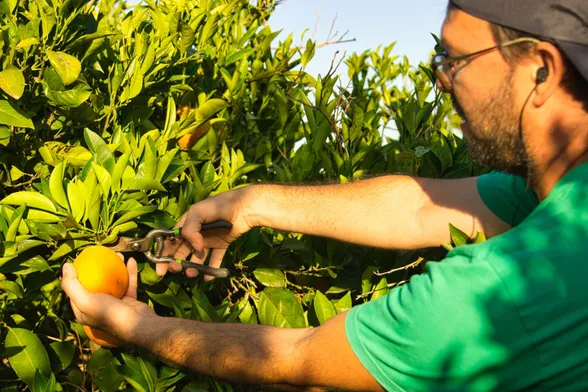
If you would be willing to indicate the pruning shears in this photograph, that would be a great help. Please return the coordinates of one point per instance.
(154, 241)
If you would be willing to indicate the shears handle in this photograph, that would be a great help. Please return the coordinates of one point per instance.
(219, 224)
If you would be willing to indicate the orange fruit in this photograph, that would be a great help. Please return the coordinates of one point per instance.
(188, 140)
(100, 337)
(101, 270)
(181, 111)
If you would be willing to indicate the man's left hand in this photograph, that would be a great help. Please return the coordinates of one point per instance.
(119, 317)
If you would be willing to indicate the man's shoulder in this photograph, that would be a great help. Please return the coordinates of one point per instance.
(453, 322)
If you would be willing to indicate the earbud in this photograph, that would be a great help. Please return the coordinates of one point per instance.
(541, 75)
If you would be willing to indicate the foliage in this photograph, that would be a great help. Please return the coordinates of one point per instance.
(94, 98)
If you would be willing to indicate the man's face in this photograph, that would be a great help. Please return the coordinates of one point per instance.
(484, 95)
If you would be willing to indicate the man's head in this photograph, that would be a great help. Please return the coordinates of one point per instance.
(515, 78)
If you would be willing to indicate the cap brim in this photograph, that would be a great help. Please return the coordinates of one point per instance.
(578, 54)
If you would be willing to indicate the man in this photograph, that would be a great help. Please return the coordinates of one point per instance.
(508, 314)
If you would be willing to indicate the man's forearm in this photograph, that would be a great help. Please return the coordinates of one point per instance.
(391, 212)
(235, 352)
(380, 212)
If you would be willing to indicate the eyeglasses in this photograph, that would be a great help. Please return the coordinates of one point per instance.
(444, 67)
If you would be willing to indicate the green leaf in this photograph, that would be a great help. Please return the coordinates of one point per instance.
(56, 185)
(89, 38)
(42, 384)
(344, 304)
(209, 109)
(279, 307)
(164, 163)
(202, 309)
(70, 98)
(149, 276)
(148, 373)
(77, 201)
(457, 236)
(366, 278)
(119, 169)
(12, 82)
(148, 168)
(308, 53)
(4, 136)
(11, 287)
(101, 367)
(143, 184)
(26, 354)
(42, 216)
(135, 86)
(323, 308)
(16, 222)
(62, 353)
(99, 149)
(238, 55)
(270, 277)
(380, 290)
(480, 237)
(31, 199)
(134, 378)
(67, 66)
(67, 247)
(76, 377)
(130, 215)
(22, 245)
(74, 155)
(103, 179)
(10, 115)
(186, 37)
(34, 264)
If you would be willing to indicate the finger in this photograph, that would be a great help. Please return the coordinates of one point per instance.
(72, 286)
(180, 223)
(199, 256)
(216, 259)
(175, 267)
(121, 256)
(191, 232)
(161, 269)
(183, 251)
(192, 272)
(132, 268)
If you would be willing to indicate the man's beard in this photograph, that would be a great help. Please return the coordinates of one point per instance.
(492, 131)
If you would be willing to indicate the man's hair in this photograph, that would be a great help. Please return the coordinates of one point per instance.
(573, 81)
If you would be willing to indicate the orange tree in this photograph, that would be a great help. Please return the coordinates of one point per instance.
(113, 121)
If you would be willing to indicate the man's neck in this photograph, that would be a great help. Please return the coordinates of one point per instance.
(561, 156)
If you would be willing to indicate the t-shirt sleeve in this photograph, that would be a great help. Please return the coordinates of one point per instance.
(507, 196)
(447, 329)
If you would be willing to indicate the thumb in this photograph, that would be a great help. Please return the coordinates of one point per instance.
(72, 286)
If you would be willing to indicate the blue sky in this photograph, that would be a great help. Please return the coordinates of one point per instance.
(370, 22)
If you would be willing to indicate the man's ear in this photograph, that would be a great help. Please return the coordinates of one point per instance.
(550, 69)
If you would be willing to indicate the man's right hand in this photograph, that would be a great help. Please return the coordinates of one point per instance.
(225, 206)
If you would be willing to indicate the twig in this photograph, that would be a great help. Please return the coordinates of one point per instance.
(388, 286)
(330, 35)
(404, 268)
(318, 18)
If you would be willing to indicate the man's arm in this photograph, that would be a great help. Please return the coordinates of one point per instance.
(281, 357)
(394, 212)
(390, 212)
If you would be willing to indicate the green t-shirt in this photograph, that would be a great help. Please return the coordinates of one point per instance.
(508, 314)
